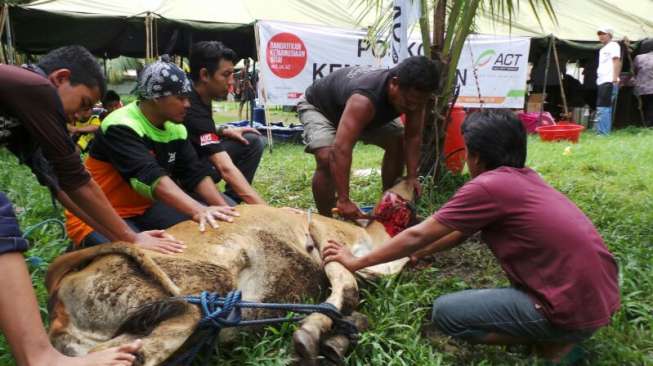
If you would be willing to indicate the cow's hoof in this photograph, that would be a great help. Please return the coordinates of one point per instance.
(334, 349)
(306, 347)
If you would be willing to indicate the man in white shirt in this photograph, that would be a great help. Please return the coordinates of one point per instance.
(607, 79)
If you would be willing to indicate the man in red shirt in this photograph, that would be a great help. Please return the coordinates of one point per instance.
(563, 278)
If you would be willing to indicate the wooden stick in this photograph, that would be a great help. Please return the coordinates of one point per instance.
(562, 88)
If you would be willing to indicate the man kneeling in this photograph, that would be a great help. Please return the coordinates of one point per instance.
(564, 279)
(140, 154)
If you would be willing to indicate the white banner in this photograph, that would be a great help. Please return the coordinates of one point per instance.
(292, 56)
(494, 68)
(405, 13)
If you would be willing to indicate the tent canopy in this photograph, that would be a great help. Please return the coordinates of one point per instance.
(577, 20)
(113, 28)
(117, 27)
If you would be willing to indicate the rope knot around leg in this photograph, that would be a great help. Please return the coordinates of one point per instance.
(223, 312)
(219, 312)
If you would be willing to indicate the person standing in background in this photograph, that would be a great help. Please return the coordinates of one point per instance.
(643, 67)
(607, 79)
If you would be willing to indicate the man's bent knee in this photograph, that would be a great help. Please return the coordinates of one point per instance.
(449, 317)
(256, 141)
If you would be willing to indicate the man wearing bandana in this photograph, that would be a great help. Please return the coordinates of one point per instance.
(145, 164)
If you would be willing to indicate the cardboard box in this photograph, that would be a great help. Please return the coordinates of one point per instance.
(534, 103)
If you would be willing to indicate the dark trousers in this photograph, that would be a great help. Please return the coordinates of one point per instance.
(158, 217)
(11, 239)
(245, 157)
(647, 104)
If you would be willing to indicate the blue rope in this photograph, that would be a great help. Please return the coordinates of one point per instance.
(28, 231)
(224, 312)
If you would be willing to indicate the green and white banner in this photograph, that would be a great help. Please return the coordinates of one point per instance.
(492, 71)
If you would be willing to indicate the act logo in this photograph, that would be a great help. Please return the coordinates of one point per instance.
(484, 58)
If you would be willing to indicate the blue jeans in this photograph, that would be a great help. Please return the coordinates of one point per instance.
(11, 239)
(607, 94)
(472, 314)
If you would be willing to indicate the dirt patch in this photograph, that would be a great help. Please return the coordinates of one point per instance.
(471, 261)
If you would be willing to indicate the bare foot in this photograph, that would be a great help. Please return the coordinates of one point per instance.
(117, 356)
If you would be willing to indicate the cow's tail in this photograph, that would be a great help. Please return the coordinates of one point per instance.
(73, 260)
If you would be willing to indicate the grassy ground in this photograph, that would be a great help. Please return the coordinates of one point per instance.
(609, 178)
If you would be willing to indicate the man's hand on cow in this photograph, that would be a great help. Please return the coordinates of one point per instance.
(349, 210)
(415, 184)
(237, 133)
(336, 252)
(211, 213)
(159, 241)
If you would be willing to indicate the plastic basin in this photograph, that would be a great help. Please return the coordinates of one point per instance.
(570, 132)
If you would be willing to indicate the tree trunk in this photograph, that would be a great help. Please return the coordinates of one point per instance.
(433, 135)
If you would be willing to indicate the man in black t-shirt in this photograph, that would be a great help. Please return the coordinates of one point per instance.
(363, 103)
(234, 152)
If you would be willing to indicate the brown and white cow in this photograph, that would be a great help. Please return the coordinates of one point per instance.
(270, 254)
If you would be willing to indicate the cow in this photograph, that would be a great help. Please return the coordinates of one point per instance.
(270, 254)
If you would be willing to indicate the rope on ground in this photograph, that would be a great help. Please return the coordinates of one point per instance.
(224, 312)
(30, 229)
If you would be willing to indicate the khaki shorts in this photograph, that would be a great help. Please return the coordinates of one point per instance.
(319, 132)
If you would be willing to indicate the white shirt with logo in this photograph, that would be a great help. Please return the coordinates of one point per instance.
(605, 71)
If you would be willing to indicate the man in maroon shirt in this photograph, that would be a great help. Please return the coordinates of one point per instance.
(564, 279)
(35, 102)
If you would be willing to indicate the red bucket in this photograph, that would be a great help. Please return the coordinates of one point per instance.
(454, 145)
(562, 131)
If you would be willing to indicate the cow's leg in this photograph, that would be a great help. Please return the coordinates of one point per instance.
(163, 341)
(344, 296)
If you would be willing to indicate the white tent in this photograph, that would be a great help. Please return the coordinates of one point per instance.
(119, 27)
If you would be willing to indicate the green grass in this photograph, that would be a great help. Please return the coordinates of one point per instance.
(228, 112)
(609, 178)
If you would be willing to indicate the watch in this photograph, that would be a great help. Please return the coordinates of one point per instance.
(220, 130)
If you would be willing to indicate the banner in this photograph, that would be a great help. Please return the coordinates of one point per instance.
(292, 56)
(492, 72)
(405, 13)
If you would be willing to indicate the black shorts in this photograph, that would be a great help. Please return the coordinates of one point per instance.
(604, 95)
(11, 239)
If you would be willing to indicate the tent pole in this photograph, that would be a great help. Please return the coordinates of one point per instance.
(147, 40)
(562, 88)
(155, 37)
(3, 16)
(11, 57)
(263, 92)
(546, 78)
